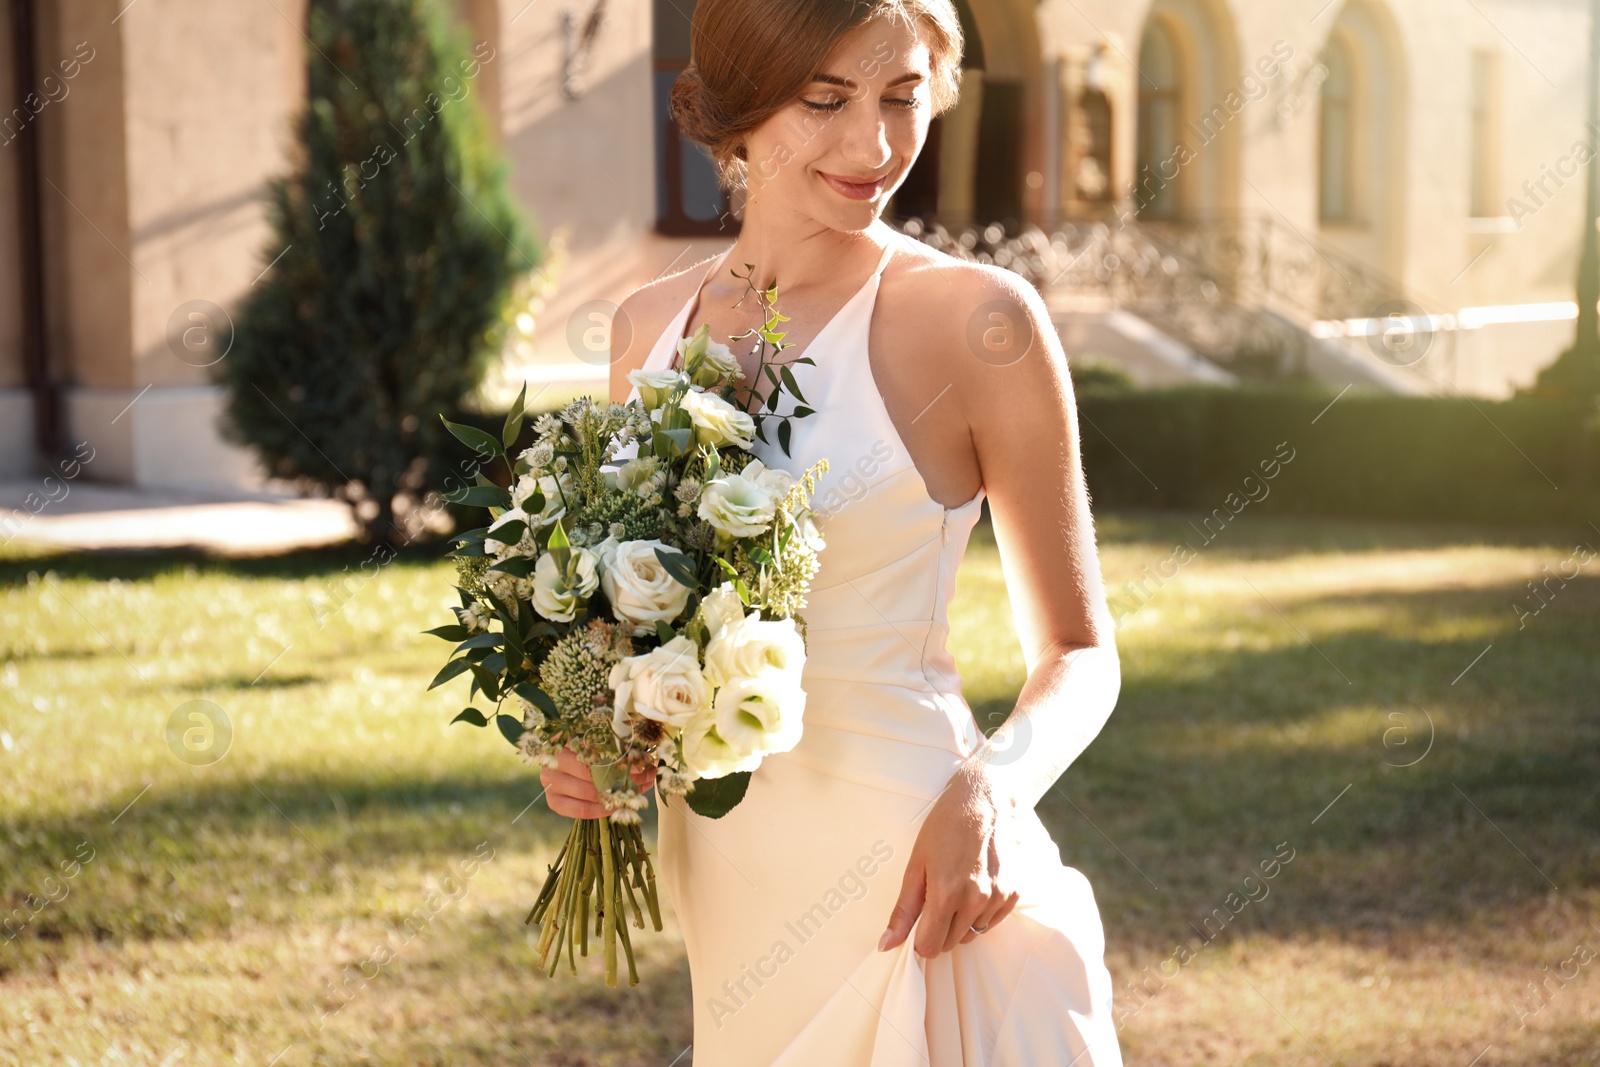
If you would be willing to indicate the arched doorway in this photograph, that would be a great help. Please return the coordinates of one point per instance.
(920, 194)
(976, 164)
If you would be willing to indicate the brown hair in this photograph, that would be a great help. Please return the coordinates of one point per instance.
(750, 58)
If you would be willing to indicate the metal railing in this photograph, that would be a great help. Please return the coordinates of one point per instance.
(1248, 293)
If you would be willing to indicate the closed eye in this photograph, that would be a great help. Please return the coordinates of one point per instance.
(837, 105)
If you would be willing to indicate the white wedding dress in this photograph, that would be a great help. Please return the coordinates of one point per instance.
(782, 901)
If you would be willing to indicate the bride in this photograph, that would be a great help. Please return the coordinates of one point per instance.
(885, 894)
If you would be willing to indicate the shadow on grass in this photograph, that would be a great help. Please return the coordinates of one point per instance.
(1417, 794)
(145, 565)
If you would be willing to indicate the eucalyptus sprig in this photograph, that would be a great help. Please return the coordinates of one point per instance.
(778, 374)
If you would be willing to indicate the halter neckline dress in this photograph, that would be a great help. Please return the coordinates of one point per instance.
(782, 901)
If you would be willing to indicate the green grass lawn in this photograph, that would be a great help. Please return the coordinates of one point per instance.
(348, 883)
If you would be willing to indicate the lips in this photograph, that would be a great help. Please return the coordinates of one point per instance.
(854, 188)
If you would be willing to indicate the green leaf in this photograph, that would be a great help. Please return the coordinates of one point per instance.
(783, 436)
(449, 671)
(510, 727)
(537, 697)
(715, 797)
(488, 681)
(494, 663)
(472, 715)
(680, 566)
(481, 496)
(514, 418)
(791, 384)
(511, 532)
(664, 631)
(474, 438)
(471, 536)
(449, 633)
(801, 411)
(516, 566)
(479, 641)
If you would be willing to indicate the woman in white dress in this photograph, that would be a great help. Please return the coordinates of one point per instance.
(885, 894)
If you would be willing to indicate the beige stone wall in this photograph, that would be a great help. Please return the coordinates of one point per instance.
(206, 128)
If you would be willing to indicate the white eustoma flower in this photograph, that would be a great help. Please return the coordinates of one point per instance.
(717, 422)
(760, 714)
(525, 546)
(708, 361)
(753, 645)
(806, 526)
(655, 385)
(742, 504)
(707, 755)
(721, 606)
(639, 588)
(636, 471)
(664, 684)
(557, 489)
(552, 597)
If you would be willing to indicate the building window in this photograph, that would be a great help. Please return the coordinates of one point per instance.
(1160, 104)
(1336, 167)
(1484, 184)
(689, 200)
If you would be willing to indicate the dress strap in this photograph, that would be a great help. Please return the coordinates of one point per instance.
(888, 253)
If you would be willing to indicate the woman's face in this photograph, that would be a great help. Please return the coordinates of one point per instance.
(840, 149)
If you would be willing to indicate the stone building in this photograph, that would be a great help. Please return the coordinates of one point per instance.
(1328, 161)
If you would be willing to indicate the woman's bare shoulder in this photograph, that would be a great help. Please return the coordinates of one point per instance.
(950, 309)
(644, 314)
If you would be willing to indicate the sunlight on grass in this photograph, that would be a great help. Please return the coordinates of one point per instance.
(1360, 692)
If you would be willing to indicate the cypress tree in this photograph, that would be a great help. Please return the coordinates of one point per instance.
(394, 251)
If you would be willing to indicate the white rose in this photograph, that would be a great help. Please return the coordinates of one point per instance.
(760, 714)
(638, 586)
(664, 684)
(721, 607)
(707, 755)
(552, 597)
(717, 422)
(655, 385)
(742, 504)
(753, 646)
(557, 488)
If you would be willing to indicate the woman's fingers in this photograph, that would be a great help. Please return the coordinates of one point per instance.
(570, 789)
(913, 890)
(997, 908)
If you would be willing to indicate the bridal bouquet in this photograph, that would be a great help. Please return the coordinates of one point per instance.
(642, 613)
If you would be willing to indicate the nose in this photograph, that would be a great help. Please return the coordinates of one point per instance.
(865, 138)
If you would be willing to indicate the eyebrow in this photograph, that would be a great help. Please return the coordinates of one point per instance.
(834, 79)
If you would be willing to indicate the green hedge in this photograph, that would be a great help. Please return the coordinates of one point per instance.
(1519, 461)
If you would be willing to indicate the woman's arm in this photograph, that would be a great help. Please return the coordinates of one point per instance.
(1024, 426)
(1016, 397)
